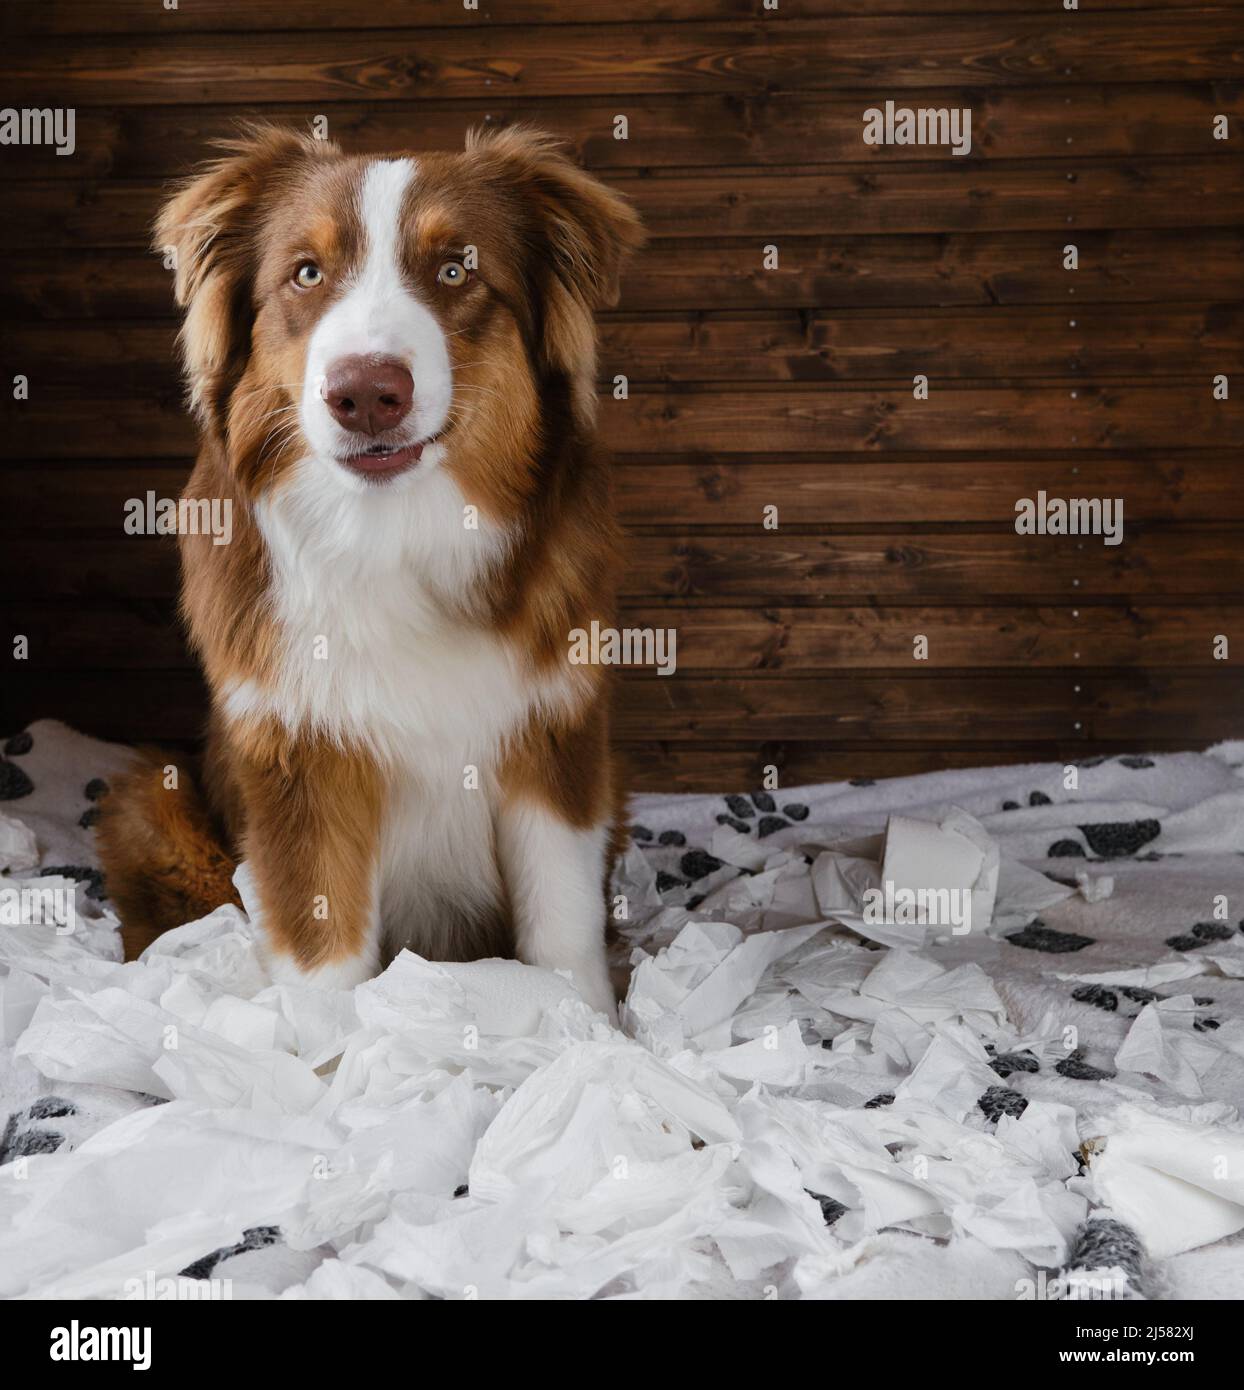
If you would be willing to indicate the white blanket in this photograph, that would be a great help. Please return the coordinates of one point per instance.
(1042, 1106)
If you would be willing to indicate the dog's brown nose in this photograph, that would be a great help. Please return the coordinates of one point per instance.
(368, 394)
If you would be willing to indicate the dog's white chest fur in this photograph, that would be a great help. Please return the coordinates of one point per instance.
(372, 654)
(366, 591)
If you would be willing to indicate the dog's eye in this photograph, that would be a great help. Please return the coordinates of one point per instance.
(453, 274)
(308, 276)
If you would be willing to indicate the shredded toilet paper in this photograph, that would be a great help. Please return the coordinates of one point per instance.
(810, 1096)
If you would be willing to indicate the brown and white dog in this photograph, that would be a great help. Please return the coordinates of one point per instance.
(392, 362)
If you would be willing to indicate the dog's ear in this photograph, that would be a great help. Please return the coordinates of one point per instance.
(581, 233)
(207, 230)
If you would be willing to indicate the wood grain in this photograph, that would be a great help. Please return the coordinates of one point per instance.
(958, 564)
(829, 272)
(687, 131)
(985, 708)
(902, 52)
(1021, 707)
(138, 359)
(763, 421)
(76, 17)
(686, 491)
(145, 635)
(747, 387)
(847, 420)
(901, 198)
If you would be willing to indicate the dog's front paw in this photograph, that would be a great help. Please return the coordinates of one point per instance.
(341, 974)
(595, 989)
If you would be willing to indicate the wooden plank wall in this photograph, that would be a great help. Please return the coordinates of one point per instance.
(750, 387)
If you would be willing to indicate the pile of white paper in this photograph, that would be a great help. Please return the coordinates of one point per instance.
(805, 1100)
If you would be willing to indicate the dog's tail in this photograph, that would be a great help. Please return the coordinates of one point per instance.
(165, 861)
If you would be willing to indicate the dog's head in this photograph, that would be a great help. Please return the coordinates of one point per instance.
(372, 317)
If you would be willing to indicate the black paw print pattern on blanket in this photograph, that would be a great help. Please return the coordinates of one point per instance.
(1105, 840)
(28, 1131)
(14, 782)
(682, 876)
(757, 814)
(686, 871)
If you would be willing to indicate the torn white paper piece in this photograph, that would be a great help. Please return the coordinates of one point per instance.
(1228, 958)
(692, 988)
(952, 1074)
(1017, 1215)
(778, 1058)
(597, 1105)
(841, 880)
(1178, 1184)
(1157, 1046)
(506, 998)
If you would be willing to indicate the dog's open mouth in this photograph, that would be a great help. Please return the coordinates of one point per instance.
(385, 460)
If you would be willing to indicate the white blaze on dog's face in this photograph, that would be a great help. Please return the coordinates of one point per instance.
(365, 298)
(378, 381)
(374, 319)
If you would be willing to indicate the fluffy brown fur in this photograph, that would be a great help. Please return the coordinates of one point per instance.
(303, 811)
(163, 851)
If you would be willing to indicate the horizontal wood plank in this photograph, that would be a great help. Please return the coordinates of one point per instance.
(724, 491)
(122, 358)
(988, 708)
(764, 421)
(147, 636)
(689, 131)
(736, 491)
(951, 197)
(79, 17)
(803, 641)
(964, 565)
(908, 51)
(960, 565)
(1024, 708)
(1000, 342)
(846, 420)
(830, 272)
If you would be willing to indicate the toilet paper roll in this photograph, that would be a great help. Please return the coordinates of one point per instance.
(957, 854)
(919, 854)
